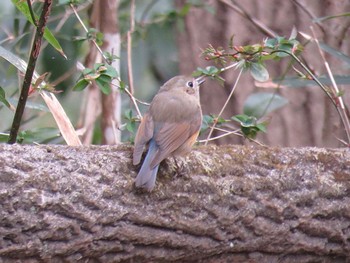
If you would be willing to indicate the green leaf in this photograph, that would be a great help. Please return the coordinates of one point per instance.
(249, 132)
(39, 135)
(110, 71)
(185, 9)
(4, 137)
(296, 82)
(24, 9)
(67, 2)
(87, 71)
(249, 125)
(19, 63)
(80, 85)
(262, 103)
(334, 52)
(94, 34)
(105, 78)
(245, 120)
(131, 126)
(104, 86)
(3, 99)
(262, 126)
(209, 71)
(110, 57)
(106, 69)
(97, 66)
(259, 72)
(206, 122)
(92, 76)
(130, 121)
(324, 18)
(286, 47)
(271, 43)
(122, 86)
(30, 105)
(128, 114)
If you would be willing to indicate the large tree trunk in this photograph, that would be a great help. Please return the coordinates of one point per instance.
(309, 118)
(103, 17)
(228, 204)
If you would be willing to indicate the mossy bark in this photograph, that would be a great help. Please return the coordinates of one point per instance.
(219, 204)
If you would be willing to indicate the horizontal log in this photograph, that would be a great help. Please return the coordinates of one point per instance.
(219, 204)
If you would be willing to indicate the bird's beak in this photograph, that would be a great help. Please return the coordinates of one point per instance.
(200, 80)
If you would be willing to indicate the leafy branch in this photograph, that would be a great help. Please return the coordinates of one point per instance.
(30, 70)
(253, 58)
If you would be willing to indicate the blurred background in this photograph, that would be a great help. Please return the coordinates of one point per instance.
(166, 38)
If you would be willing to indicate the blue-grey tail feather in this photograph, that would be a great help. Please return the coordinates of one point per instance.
(146, 178)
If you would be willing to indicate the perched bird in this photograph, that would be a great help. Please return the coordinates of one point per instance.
(169, 127)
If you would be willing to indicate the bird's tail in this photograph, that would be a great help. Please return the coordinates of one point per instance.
(146, 178)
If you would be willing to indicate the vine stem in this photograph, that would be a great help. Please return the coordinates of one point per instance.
(87, 31)
(35, 51)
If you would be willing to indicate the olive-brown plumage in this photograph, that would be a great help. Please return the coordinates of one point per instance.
(169, 127)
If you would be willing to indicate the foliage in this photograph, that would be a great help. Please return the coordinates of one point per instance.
(48, 35)
(102, 74)
(151, 20)
(250, 125)
(252, 58)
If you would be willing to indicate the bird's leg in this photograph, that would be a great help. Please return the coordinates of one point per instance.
(180, 167)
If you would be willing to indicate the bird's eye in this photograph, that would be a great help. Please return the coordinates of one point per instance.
(189, 84)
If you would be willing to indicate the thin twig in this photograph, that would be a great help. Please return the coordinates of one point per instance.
(238, 132)
(223, 108)
(340, 102)
(82, 6)
(129, 45)
(220, 136)
(229, 67)
(87, 31)
(255, 21)
(64, 76)
(133, 100)
(308, 12)
(30, 70)
(227, 133)
(314, 78)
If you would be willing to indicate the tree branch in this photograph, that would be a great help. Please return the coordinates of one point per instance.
(223, 204)
(30, 70)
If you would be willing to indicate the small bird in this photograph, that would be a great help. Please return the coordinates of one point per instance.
(170, 126)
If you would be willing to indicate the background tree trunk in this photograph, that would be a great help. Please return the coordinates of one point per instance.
(227, 204)
(309, 118)
(103, 17)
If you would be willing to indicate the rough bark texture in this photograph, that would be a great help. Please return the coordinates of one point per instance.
(220, 204)
(309, 119)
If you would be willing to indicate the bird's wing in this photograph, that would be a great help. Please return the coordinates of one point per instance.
(143, 135)
(169, 137)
